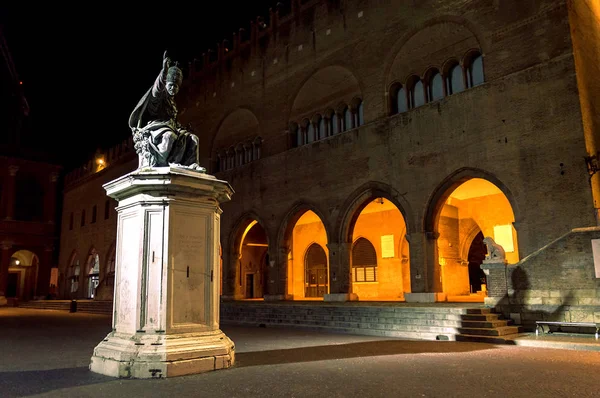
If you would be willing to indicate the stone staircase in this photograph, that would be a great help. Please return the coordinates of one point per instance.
(104, 307)
(438, 321)
(484, 326)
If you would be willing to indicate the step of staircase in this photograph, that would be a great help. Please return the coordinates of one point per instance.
(485, 326)
(104, 307)
(507, 339)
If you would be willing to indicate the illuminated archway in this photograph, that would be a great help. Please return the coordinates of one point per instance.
(473, 208)
(251, 248)
(308, 256)
(380, 265)
(22, 275)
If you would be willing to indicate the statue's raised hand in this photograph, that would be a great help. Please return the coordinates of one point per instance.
(166, 61)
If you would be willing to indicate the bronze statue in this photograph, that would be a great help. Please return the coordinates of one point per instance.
(159, 139)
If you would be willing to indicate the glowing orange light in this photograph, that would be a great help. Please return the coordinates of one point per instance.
(21, 83)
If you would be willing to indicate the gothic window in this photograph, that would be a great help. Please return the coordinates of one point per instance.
(474, 69)
(257, 148)
(416, 93)
(454, 79)
(364, 261)
(320, 131)
(435, 86)
(348, 119)
(360, 116)
(94, 213)
(398, 99)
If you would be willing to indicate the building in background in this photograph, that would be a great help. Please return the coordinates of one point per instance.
(29, 193)
(373, 145)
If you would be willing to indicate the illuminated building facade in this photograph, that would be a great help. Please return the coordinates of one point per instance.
(373, 145)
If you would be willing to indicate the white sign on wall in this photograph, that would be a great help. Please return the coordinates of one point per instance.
(503, 235)
(387, 246)
(596, 253)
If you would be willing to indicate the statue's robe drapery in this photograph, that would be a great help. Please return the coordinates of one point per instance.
(155, 116)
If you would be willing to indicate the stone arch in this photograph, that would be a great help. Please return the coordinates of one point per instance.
(357, 201)
(445, 27)
(294, 214)
(315, 93)
(453, 181)
(465, 245)
(233, 263)
(235, 237)
(237, 126)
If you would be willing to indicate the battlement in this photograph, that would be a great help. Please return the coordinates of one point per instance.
(251, 43)
(101, 160)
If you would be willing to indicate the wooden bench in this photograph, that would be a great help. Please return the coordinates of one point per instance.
(539, 325)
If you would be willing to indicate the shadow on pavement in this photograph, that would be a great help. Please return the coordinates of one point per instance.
(353, 350)
(24, 383)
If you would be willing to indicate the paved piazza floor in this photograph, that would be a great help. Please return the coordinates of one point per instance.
(46, 354)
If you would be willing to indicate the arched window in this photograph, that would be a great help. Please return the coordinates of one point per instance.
(435, 86)
(330, 116)
(364, 261)
(304, 131)
(398, 100)
(294, 135)
(310, 132)
(335, 123)
(360, 115)
(454, 79)
(357, 114)
(320, 128)
(230, 158)
(348, 122)
(474, 69)
(416, 93)
(257, 148)
(315, 265)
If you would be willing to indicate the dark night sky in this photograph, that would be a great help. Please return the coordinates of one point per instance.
(83, 70)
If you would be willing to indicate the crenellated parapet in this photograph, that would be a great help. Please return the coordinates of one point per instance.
(264, 32)
(102, 160)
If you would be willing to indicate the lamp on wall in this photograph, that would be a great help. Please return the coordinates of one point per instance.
(379, 200)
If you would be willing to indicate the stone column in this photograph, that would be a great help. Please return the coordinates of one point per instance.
(340, 282)
(277, 275)
(424, 268)
(5, 254)
(497, 287)
(44, 269)
(166, 310)
(50, 199)
(11, 193)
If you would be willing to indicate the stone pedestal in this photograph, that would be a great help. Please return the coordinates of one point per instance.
(166, 304)
(497, 288)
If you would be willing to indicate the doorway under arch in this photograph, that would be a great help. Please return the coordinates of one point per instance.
(22, 275)
(308, 257)
(252, 260)
(474, 209)
(380, 252)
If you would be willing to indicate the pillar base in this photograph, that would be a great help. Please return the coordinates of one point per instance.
(340, 297)
(141, 356)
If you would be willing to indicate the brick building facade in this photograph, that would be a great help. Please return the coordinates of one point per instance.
(461, 118)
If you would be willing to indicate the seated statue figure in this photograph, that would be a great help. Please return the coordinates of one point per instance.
(494, 250)
(158, 137)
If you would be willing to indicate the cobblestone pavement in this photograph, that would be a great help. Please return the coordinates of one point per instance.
(47, 353)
